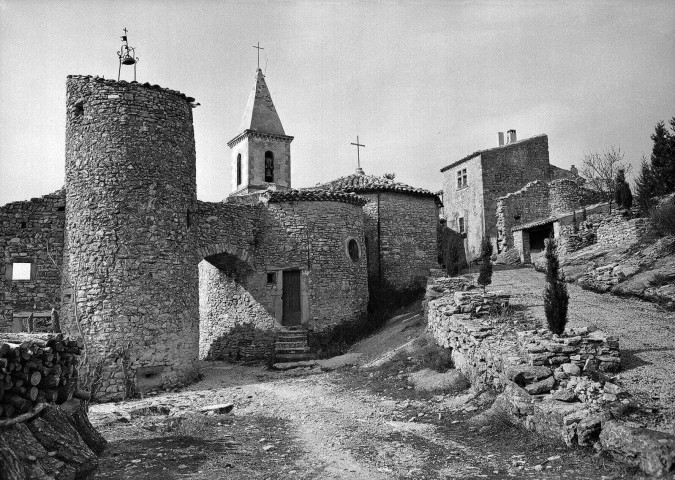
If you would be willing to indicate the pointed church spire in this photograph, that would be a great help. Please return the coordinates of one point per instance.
(260, 114)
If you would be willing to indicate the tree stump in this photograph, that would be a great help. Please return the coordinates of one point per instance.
(54, 432)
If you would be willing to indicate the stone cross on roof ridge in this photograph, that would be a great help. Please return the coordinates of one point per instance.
(260, 114)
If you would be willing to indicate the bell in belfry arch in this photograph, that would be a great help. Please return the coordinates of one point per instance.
(127, 55)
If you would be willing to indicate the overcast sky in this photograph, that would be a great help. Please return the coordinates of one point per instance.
(423, 83)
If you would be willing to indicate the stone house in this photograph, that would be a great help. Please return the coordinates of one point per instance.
(473, 184)
(154, 279)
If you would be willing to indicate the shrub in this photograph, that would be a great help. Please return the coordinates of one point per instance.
(556, 298)
(663, 218)
(622, 194)
(485, 274)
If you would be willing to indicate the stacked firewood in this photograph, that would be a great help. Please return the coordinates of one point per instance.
(37, 368)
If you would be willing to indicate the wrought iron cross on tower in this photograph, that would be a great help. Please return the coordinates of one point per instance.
(259, 48)
(358, 156)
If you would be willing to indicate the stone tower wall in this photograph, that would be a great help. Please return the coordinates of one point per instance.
(252, 147)
(131, 194)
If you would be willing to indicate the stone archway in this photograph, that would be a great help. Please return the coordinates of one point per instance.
(236, 306)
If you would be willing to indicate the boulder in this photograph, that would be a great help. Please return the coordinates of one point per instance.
(653, 452)
(524, 374)
(565, 395)
(571, 369)
(542, 386)
(428, 380)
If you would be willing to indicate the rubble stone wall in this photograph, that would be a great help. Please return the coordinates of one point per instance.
(616, 230)
(31, 231)
(522, 363)
(523, 206)
(131, 195)
(408, 239)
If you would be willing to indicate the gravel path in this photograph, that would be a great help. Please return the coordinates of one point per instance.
(646, 334)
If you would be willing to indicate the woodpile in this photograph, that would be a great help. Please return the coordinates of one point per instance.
(45, 432)
(37, 368)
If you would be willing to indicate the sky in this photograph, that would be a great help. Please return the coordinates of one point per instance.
(422, 83)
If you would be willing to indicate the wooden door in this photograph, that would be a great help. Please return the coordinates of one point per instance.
(291, 299)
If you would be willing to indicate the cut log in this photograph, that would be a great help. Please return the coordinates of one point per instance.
(36, 460)
(11, 467)
(54, 431)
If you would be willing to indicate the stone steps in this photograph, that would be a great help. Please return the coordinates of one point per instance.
(291, 346)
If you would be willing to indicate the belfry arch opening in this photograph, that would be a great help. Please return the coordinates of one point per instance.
(269, 166)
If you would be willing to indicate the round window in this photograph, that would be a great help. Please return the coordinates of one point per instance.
(353, 250)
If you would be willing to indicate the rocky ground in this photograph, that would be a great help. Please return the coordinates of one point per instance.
(332, 420)
(642, 271)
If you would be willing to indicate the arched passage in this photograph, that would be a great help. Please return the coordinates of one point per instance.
(236, 307)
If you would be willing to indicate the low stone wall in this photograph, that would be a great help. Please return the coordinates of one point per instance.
(554, 385)
(616, 230)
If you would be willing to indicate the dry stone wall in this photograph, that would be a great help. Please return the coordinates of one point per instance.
(616, 230)
(131, 195)
(31, 231)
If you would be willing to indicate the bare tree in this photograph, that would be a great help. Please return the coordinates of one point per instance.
(600, 170)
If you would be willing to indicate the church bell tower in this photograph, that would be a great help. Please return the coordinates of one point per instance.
(261, 151)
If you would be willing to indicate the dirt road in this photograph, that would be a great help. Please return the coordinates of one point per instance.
(327, 425)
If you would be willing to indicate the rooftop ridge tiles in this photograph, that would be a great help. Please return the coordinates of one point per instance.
(359, 183)
(313, 196)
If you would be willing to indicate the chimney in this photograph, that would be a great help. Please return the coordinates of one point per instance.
(511, 136)
(500, 135)
(574, 170)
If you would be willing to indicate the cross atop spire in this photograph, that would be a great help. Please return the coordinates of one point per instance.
(258, 47)
(358, 145)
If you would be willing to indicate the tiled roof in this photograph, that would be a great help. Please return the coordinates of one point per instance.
(98, 79)
(479, 152)
(313, 196)
(360, 183)
(535, 223)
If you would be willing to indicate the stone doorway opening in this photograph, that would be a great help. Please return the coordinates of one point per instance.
(538, 236)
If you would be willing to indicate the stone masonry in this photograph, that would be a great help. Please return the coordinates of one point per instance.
(133, 262)
(31, 232)
(490, 174)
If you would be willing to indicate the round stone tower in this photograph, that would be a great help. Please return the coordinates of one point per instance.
(131, 286)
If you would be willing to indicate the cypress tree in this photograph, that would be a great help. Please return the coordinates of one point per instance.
(663, 158)
(645, 188)
(556, 298)
(485, 274)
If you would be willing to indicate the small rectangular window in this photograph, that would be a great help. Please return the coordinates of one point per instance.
(460, 225)
(21, 271)
(461, 178)
(271, 278)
